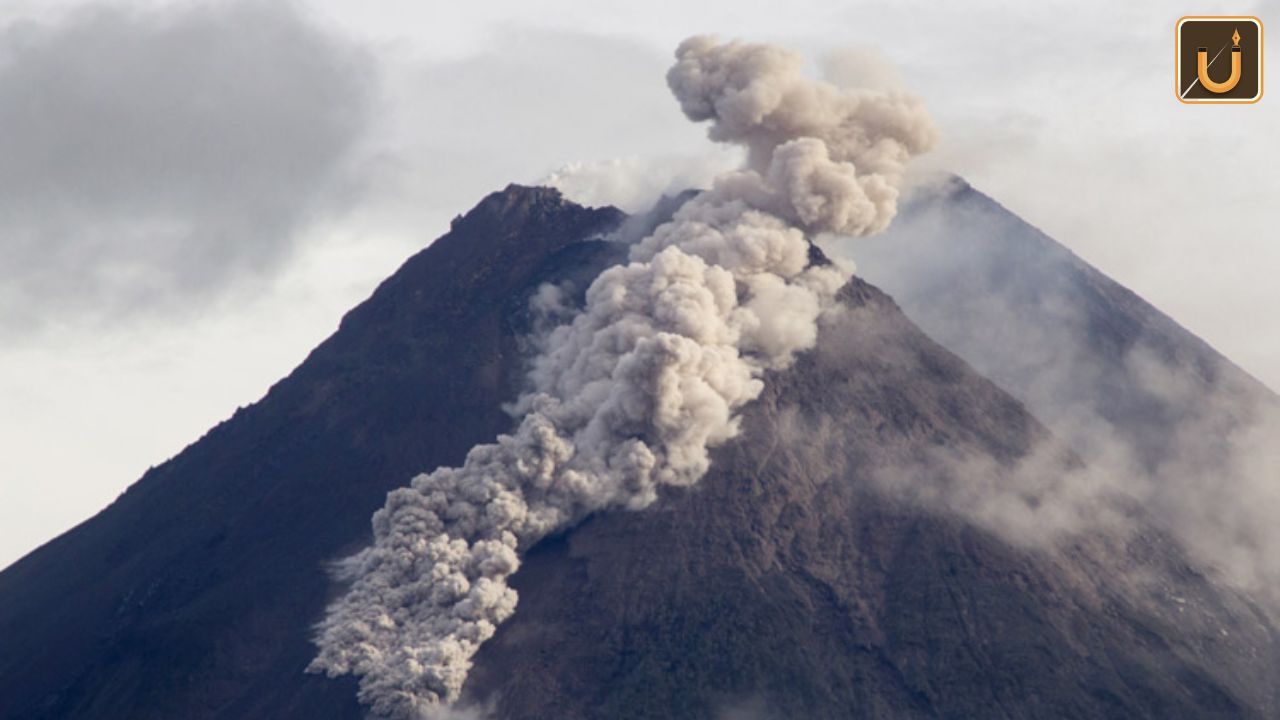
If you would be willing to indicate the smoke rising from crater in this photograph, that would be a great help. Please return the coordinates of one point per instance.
(647, 377)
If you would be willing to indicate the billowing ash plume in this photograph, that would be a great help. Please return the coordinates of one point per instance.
(649, 375)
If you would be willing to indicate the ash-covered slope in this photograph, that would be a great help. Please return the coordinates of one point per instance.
(786, 584)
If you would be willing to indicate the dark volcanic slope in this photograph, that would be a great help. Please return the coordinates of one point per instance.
(786, 586)
(192, 595)
(783, 584)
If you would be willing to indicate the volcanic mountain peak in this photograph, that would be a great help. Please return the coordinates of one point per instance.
(512, 207)
(791, 581)
(194, 593)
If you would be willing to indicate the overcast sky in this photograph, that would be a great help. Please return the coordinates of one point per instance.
(191, 194)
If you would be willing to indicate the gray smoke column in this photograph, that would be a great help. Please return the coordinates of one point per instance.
(649, 375)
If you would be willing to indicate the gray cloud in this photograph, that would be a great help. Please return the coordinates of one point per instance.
(150, 157)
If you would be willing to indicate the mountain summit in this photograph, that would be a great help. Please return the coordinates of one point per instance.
(194, 594)
(794, 581)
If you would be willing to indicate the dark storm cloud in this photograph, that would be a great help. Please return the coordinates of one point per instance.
(151, 157)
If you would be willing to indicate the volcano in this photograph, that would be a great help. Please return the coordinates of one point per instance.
(786, 584)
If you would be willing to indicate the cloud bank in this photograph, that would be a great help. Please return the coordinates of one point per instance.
(633, 391)
(152, 156)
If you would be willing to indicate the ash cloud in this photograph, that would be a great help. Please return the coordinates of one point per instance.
(631, 393)
(154, 156)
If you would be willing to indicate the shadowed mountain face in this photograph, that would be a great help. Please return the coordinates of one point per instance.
(787, 584)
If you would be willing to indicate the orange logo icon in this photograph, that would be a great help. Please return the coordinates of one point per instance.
(1218, 59)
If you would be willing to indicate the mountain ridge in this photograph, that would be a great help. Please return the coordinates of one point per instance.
(1040, 289)
(194, 594)
(148, 561)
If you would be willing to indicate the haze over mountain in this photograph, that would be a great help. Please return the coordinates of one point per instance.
(793, 580)
(1164, 418)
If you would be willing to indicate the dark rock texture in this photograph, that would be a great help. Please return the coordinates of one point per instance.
(784, 586)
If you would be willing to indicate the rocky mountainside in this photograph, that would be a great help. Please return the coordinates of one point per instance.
(787, 584)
